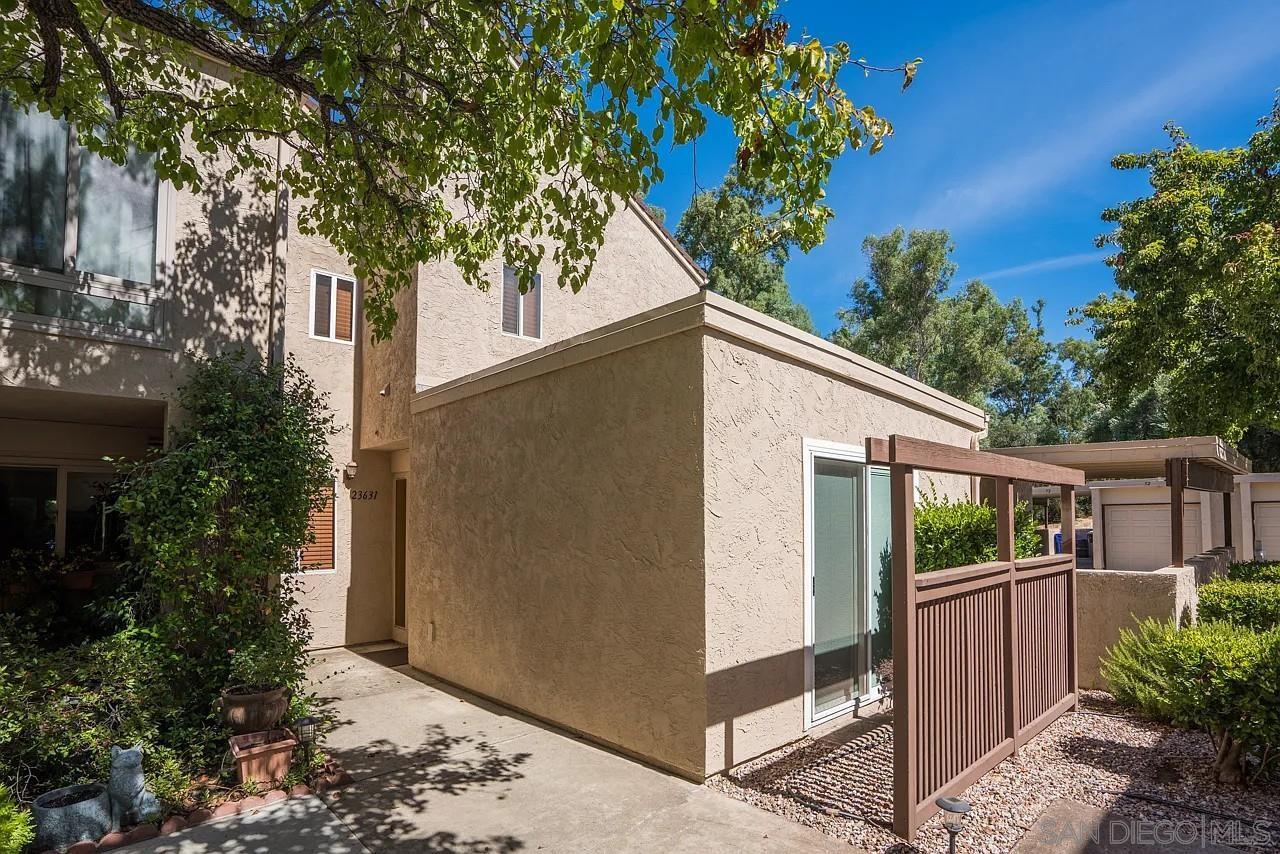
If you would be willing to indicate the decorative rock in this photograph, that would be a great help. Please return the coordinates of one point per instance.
(321, 785)
(252, 803)
(274, 795)
(340, 778)
(112, 840)
(173, 824)
(142, 832)
(225, 809)
(86, 847)
(299, 791)
(199, 816)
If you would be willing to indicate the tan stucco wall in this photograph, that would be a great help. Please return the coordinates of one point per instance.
(351, 603)
(460, 327)
(759, 409)
(555, 559)
(1108, 601)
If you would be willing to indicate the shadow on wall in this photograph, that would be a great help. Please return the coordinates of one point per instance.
(219, 297)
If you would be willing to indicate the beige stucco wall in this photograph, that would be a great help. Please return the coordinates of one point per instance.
(556, 547)
(460, 327)
(759, 408)
(352, 602)
(1108, 600)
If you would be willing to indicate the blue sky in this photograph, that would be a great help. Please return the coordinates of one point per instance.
(1006, 136)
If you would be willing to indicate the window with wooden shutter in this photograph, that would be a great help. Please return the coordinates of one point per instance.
(333, 303)
(521, 313)
(318, 555)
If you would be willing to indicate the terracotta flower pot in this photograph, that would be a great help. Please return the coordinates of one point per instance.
(245, 710)
(263, 757)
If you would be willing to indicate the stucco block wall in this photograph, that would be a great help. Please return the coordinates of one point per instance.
(1109, 600)
(556, 547)
(390, 366)
(759, 407)
(459, 327)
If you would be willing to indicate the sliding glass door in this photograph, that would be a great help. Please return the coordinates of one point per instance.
(846, 540)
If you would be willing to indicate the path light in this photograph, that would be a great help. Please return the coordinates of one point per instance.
(308, 730)
(954, 811)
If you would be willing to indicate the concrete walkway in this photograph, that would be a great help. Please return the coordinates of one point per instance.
(439, 770)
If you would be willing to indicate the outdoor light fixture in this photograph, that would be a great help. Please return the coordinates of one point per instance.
(308, 730)
(349, 470)
(954, 811)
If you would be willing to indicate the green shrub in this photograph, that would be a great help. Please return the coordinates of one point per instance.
(1216, 676)
(215, 524)
(17, 828)
(957, 533)
(1258, 570)
(1255, 604)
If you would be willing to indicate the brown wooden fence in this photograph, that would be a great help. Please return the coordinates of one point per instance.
(984, 656)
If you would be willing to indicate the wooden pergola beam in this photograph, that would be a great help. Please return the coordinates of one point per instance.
(949, 459)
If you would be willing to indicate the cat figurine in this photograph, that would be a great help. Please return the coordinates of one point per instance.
(131, 802)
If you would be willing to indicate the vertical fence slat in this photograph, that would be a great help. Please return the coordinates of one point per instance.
(905, 665)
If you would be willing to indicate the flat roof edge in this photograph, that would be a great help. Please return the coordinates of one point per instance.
(712, 312)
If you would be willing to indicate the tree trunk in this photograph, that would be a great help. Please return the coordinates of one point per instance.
(1227, 766)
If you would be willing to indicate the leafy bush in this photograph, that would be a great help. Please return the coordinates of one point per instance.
(1217, 676)
(1255, 604)
(17, 828)
(61, 711)
(956, 533)
(1258, 570)
(215, 524)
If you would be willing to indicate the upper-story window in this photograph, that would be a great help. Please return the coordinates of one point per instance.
(521, 312)
(333, 300)
(78, 233)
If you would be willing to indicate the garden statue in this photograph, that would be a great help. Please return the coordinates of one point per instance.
(131, 803)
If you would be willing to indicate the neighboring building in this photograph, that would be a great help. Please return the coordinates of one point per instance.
(641, 511)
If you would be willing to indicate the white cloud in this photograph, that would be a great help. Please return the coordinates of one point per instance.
(1061, 262)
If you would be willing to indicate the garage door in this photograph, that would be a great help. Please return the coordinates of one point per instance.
(1266, 527)
(1137, 535)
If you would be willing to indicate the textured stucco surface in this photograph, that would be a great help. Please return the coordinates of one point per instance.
(460, 327)
(1108, 600)
(351, 603)
(556, 548)
(759, 409)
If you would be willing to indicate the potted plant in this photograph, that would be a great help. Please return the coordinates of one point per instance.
(70, 815)
(258, 694)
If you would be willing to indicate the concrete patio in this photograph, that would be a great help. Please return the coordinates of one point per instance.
(438, 770)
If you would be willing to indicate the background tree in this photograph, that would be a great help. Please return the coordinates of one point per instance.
(905, 314)
(1197, 263)
(465, 129)
(717, 230)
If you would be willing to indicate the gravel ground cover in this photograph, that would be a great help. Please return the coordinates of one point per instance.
(1099, 756)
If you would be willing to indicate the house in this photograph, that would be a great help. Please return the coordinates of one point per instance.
(642, 512)
(1168, 516)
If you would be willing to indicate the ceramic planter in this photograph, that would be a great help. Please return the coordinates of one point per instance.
(263, 757)
(245, 711)
(70, 815)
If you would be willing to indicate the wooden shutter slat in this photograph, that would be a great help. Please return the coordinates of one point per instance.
(532, 309)
(319, 554)
(510, 301)
(342, 327)
(321, 295)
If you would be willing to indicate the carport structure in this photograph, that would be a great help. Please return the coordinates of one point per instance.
(1206, 464)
